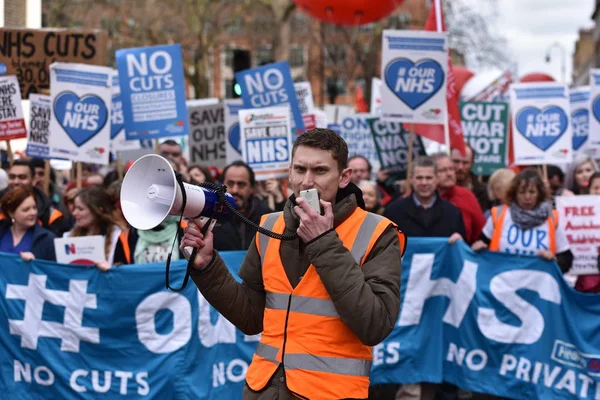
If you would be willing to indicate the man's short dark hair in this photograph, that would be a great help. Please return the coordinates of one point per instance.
(37, 163)
(425, 162)
(171, 142)
(25, 163)
(553, 171)
(324, 139)
(369, 166)
(240, 163)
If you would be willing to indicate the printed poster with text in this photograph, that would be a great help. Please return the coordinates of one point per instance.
(266, 141)
(413, 71)
(541, 123)
(118, 141)
(580, 118)
(231, 108)
(86, 250)
(356, 131)
(593, 147)
(580, 218)
(485, 127)
(305, 97)
(38, 136)
(80, 122)
(12, 124)
(207, 144)
(153, 92)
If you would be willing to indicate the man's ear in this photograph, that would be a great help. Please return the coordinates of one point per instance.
(345, 178)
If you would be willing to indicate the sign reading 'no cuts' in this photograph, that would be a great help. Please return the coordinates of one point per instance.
(266, 141)
(414, 67)
(541, 123)
(153, 92)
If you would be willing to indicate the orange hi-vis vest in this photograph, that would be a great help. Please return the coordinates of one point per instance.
(498, 215)
(321, 356)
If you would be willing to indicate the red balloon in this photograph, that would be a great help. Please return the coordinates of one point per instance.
(461, 76)
(537, 77)
(348, 12)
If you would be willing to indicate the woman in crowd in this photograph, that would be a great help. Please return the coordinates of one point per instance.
(498, 185)
(371, 197)
(527, 225)
(199, 174)
(579, 173)
(94, 215)
(20, 233)
(591, 283)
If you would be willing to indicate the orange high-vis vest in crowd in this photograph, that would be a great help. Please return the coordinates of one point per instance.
(498, 215)
(321, 356)
(124, 239)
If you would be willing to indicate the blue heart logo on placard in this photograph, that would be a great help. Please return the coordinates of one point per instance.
(596, 108)
(82, 118)
(580, 121)
(414, 83)
(116, 116)
(234, 138)
(542, 127)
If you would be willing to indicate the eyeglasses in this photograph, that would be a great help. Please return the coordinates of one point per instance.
(18, 176)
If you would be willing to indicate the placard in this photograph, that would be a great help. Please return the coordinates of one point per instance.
(28, 53)
(580, 118)
(12, 124)
(207, 141)
(593, 147)
(266, 141)
(153, 92)
(305, 97)
(541, 123)
(80, 121)
(413, 70)
(118, 141)
(82, 250)
(231, 108)
(355, 130)
(38, 136)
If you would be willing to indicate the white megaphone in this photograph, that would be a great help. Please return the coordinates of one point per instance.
(150, 192)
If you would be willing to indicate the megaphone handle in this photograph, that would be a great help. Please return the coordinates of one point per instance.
(209, 223)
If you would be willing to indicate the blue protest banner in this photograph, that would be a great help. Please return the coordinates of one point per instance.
(152, 92)
(268, 86)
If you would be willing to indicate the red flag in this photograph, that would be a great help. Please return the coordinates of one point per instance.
(436, 132)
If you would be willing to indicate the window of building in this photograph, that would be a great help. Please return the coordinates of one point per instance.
(297, 57)
(228, 58)
(263, 55)
(263, 24)
(235, 26)
(300, 23)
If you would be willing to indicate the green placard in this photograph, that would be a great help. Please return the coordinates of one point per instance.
(485, 126)
(391, 143)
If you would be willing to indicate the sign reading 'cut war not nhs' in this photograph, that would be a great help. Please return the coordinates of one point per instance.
(153, 92)
(271, 85)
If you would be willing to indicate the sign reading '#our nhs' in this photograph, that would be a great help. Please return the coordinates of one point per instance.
(271, 85)
(153, 92)
(487, 322)
(542, 125)
(414, 67)
(81, 97)
(580, 117)
(593, 145)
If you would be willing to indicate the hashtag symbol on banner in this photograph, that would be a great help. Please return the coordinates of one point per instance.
(32, 327)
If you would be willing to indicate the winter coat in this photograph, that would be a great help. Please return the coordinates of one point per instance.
(42, 245)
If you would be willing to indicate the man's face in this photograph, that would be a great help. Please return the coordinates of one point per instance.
(19, 175)
(173, 151)
(445, 176)
(360, 170)
(462, 163)
(38, 179)
(238, 185)
(313, 168)
(424, 182)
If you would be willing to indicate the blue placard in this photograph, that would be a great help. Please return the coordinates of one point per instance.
(152, 92)
(268, 86)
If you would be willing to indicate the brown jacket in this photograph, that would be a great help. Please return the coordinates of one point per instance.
(367, 299)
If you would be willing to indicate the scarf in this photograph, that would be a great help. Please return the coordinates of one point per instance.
(528, 219)
(158, 239)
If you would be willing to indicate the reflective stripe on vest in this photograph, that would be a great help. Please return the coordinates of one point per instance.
(322, 357)
(498, 215)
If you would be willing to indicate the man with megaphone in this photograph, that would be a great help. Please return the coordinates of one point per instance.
(321, 300)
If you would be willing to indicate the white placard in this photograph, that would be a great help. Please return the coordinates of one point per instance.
(81, 100)
(83, 250)
(231, 107)
(413, 74)
(207, 141)
(12, 123)
(579, 98)
(38, 136)
(541, 123)
(266, 141)
(305, 97)
(593, 148)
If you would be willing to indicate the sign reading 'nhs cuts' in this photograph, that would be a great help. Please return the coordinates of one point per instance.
(593, 146)
(80, 121)
(271, 85)
(153, 92)
(414, 67)
(580, 117)
(541, 123)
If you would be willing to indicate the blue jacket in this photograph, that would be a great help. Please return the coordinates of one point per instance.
(42, 245)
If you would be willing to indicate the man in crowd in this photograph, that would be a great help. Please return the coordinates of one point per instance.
(361, 169)
(236, 234)
(171, 149)
(322, 299)
(21, 174)
(462, 198)
(463, 165)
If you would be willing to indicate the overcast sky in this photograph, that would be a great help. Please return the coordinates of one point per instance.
(532, 26)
